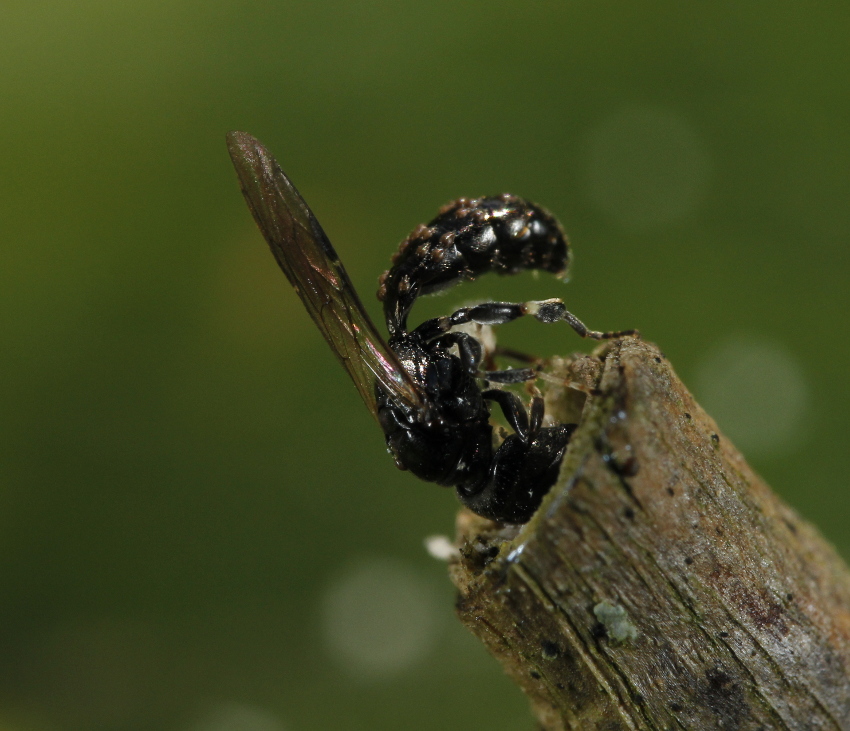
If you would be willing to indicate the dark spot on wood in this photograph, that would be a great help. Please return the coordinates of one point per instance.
(479, 554)
(461, 603)
(657, 360)
(688, 416)
(718, 530)
(791, 527)
(629, 513)
(637, 698)
(550, 650)
(535, 675)
(725, 697)
(688, 560)
(597, 631)
(715, 438)
(722, 634)
(671, 491)
(789, 597)
(675, 707)
(629, 468)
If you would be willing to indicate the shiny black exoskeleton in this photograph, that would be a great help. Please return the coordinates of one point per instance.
(468, 238)
(454, 446)
(424, 385)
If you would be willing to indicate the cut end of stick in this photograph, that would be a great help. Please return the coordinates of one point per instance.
(661, 582)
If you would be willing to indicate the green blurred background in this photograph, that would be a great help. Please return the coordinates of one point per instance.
(201, 530)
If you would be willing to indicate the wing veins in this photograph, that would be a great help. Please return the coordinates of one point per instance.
(308, 260)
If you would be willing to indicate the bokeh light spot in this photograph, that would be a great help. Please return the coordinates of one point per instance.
(756, 391)
(380, 619)
(647, 167)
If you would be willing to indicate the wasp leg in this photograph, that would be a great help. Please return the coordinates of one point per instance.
(535, 414)
(499, 313)
(491, 371)
(468, 348)
(550, 307)
(514, 410)
(525, 422)
(470, 352)
(520, 476)
(511, 375)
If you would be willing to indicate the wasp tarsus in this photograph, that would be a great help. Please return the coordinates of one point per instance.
(424, 385)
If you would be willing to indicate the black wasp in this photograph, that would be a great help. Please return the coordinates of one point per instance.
(424, 385)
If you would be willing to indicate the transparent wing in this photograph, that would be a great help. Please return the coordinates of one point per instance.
(310, 263)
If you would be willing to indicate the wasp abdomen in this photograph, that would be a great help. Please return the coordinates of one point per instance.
(470, 237)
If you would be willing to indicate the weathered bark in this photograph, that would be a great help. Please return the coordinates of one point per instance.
(661, 585)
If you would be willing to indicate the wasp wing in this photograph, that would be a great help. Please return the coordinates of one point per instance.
(312, 266)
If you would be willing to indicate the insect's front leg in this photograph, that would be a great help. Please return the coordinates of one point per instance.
(468, 348)
(514, 410)
(525, 422)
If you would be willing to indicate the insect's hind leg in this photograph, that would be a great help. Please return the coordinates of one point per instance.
(554, 310)
(499, 313)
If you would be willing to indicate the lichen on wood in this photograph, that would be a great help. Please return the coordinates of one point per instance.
(661, 585)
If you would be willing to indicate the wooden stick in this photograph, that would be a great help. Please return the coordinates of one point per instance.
(661, 585)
